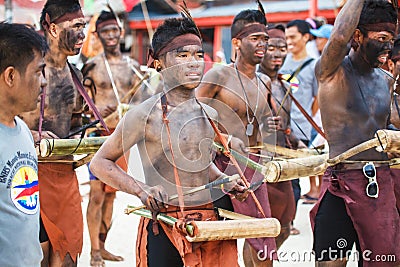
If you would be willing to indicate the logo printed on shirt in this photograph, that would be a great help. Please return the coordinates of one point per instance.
(25, 190)
(294, 82)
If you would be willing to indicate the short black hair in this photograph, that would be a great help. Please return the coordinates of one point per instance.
(17, 45)
(104, 16)
(169, 30)
(377, 11)
(302, 25)
(246, 17)
(396, 48)
(57, 8)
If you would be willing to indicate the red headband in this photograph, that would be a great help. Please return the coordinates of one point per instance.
(106, 23)
(66, 17)
(380, 27)
(276, 33)
(250, 29)
(177, 42)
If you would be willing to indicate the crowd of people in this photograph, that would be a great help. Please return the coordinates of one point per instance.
(302, 85)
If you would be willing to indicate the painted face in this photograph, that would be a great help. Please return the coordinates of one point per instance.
(71, 36)
(376, 47)
(253, 47)
(109, 36)
(296, 41)
(30, 83)
(276, 54)
(184, 66)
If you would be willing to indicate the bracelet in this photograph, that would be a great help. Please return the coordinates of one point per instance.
(229, 139)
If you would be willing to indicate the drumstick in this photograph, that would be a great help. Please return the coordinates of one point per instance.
(215, 183)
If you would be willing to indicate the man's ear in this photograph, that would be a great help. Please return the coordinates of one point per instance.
(53, 30)
(236, 43)
(9, 76)
(157, 65)
(391, 66)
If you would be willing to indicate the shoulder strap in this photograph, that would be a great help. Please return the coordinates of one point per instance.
(86, 97)
(302, 66)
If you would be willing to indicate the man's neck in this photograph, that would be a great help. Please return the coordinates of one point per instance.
(272, 74)
(113, 54)
(179, 96)
(54, 58)
(245, 68)
(8, 115)
(300, 56)
(359, 62)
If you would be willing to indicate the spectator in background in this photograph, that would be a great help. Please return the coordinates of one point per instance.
(300, 65)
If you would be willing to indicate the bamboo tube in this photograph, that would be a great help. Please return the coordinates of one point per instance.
(287, 152)
(161, 217)
(64, 147)
(232, 215)
(285, 170)
(234, 229)
(200, 231)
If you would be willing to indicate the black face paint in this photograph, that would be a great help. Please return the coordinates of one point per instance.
(68, 39)
(373, 49)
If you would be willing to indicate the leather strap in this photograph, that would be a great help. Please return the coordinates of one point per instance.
(86, 97)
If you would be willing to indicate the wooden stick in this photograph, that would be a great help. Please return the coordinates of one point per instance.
(217, 182)
(287, 152)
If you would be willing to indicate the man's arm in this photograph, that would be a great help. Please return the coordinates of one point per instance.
(336, 48)
(130, 131)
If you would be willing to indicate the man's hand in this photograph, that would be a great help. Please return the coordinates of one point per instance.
(273, 124)
(45, 135)
(107, 110)
(238, 145)
(238, 189)
(154, 198)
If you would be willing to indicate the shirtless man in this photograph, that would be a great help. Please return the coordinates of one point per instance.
(240, 97)
(280, 194)
(21, 80)
(357, 202)
(109, 76)
(181, 156)
(61, 236)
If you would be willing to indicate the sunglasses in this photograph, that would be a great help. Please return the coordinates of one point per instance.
(372, 188)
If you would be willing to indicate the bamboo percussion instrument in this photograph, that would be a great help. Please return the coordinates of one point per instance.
(234, 229)
(215, 183)
(383, 141)
(287, 152)
(64, 147)
(284, 170)
(200, 231)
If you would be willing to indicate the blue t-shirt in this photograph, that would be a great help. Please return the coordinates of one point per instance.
(19, 198)
(305, 89)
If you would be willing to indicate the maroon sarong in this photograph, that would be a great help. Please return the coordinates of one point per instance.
(376, 221)
(282, 203)
(396, 179)
(248, 207)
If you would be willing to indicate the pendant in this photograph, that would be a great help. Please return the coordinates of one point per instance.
(249, 129)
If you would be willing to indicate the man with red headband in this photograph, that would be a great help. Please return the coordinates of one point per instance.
(357, 202)
(241, 97)
(110, 76)
(280, 194)
(61, 213)
(174, 138)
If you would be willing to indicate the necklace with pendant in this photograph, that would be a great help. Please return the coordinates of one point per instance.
(250, 125)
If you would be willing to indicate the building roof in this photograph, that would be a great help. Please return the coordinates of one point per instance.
(277, 11)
